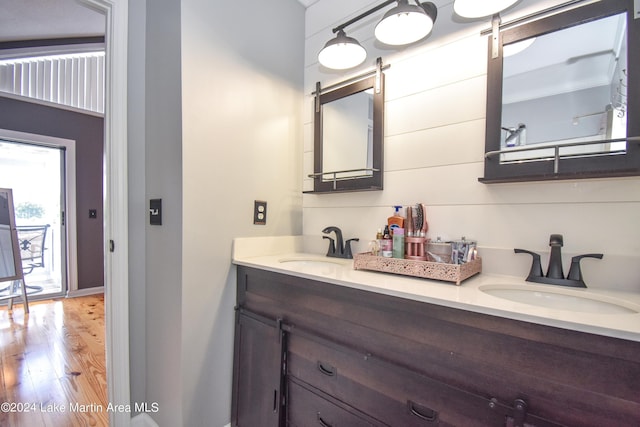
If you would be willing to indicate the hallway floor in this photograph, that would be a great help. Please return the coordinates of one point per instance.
(52, 364)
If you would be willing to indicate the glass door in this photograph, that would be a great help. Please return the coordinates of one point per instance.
(35, 173)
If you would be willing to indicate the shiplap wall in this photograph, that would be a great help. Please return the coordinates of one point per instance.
(434, 144)
(71, 80)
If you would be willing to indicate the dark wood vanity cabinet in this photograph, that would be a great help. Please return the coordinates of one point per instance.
(348, 357)
(257, 376)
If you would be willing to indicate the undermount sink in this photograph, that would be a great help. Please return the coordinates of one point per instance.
(312, 262)
(561, 299)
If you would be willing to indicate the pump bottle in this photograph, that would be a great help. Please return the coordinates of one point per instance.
(397, 220)
(387, 243)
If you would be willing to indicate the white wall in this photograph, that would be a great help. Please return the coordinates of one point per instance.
(434, 145)
(215, 122)
(163, 179)
(242, 76)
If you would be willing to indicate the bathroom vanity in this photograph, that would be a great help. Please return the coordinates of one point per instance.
(319, 344)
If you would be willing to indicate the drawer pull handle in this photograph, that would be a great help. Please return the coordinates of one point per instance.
(322, 422)
(422, 412)
(327, 370)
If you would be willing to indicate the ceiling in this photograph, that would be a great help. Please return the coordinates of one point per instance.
(45, 19)
(307, 3)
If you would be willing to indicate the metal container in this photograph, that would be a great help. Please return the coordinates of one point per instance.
(463, 251)
(439, 251)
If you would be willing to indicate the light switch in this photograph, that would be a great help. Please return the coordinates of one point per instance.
(155, 211)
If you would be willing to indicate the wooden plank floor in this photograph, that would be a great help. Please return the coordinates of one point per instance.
(52, 364)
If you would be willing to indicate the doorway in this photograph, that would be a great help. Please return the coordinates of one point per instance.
(41, 171)
(116, 211)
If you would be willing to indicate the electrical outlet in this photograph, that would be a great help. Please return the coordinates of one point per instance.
(259, 212)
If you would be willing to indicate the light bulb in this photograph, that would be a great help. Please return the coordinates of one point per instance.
(403, 24)
(342, 52)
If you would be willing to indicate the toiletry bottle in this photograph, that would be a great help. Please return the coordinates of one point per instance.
(397, 220)
(379, 240)
(398, 243)
(374, 248)
(387, 243)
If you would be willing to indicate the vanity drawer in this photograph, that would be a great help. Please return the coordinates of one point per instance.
(308, 409)
(385, 391)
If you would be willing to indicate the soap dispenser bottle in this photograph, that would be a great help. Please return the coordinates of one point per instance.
(397, 220)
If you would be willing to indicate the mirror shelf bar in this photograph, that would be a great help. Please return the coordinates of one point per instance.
(557, 147)
(333, 175)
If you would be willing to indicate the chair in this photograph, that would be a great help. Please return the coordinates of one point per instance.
(31, 239)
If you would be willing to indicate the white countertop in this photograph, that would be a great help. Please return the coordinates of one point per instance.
(467, 296)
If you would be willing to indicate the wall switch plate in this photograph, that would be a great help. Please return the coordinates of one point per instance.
(260, 212)
(155, 211)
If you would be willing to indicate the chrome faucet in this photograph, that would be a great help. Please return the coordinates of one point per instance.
(338, 249)
(555, 275)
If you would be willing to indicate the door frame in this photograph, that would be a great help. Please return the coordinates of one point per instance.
(70, 227)
(116, 206)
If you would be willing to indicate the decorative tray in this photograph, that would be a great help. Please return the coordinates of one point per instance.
(426, 269)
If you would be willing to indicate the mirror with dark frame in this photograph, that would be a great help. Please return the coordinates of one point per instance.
(10, 262)
(348, 136)
(561, 92)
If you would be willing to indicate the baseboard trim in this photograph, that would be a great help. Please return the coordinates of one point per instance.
(143, 420)
(85, 292)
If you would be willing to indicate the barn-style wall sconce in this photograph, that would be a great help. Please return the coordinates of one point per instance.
(403, 24)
